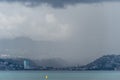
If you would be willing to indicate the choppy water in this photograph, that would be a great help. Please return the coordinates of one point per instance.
(60, 75)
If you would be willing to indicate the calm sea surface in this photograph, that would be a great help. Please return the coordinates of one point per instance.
(60, 75)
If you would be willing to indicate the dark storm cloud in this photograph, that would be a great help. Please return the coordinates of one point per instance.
(55, 3)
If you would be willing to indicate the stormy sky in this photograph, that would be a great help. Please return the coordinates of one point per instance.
(77, 31)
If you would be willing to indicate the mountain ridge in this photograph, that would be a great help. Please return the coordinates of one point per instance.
(106, 62)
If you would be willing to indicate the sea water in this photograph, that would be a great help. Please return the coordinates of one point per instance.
(60, 75)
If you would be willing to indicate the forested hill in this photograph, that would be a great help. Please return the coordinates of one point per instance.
(107, 62)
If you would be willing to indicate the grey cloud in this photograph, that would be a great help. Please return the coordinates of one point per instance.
(91, 29)
(55, 3)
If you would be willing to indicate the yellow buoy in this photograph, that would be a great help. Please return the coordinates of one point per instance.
(46, 77)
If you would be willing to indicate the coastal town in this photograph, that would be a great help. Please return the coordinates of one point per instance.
(106, 62)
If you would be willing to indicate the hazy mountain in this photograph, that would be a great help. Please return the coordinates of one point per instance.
(53, 62)
(23, 47)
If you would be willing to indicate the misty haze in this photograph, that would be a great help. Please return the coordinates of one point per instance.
(74, 32)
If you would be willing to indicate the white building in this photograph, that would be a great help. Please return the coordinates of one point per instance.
(26, 64)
